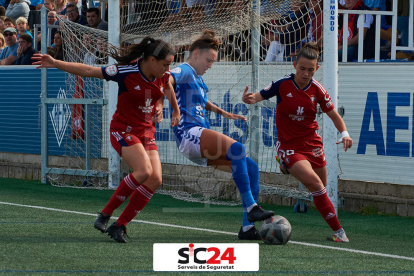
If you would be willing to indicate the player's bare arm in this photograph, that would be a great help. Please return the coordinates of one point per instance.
(158, 116)
(341, 127)
(251, 98)
(170, 94)
(214, 108)
(46, 61)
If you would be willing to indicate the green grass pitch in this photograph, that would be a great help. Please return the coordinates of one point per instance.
(61, 240)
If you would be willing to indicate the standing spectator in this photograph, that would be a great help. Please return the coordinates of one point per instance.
(9, 22)
(49, 5)
(73, 14)
(25, 51)
(353, 32)
(9, 54)
(35, 4)
(22, 27)
(2, 43)
(94, 19)
(2, 26)
(18, 8)
(60, 6)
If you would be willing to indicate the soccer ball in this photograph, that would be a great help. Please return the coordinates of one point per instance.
(275, 230)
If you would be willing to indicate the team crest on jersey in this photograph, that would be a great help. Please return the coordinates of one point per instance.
(128, 137)
(329, 104)
(111, 70)
(313, 98)
(268, 87)
(176, 70)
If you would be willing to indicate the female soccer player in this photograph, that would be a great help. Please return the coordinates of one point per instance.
(206, 147)
(141, 83)
(299, 147)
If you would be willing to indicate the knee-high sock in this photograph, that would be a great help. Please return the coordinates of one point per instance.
(237, 155)
(137, 202)
(326, 209)
(253, 170)
(124, 190)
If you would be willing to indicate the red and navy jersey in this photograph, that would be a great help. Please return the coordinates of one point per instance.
(137, 97)
(297, 108)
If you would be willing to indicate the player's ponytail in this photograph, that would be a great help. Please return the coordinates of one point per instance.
(207, 40)
(146, 48)
(309, 51)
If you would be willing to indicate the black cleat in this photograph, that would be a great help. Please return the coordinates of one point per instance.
(252, 234)
(257, 213)
(101, 222)
(117, 232)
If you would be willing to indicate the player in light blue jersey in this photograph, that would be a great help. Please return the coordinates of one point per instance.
(206, 147)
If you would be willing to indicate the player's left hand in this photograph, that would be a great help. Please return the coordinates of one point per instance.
(347, 141)
(232, 116)
(158, 116)
(175, 118)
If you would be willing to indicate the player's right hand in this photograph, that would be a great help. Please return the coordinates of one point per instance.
(248, 98)
(175, 118)
(45, 61)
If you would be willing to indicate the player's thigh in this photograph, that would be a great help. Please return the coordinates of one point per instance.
(302, 171)
(138, 160)
(220, 164)
(155, 180)
(214, 145)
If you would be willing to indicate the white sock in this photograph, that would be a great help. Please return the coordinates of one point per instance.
(248, 209)
(247, 227)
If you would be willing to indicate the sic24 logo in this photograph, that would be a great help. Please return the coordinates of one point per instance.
(205, 257)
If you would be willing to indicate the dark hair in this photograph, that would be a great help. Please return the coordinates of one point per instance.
(26, 37)
(309, 51)
(95, 10)
(2, 11)
(146, 48)
(59, 51)
(72, 6)
(9, 19)
(207, 40)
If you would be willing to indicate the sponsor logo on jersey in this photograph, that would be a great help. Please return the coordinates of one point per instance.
(199, 111)
(289, 95)
(137, 87)
(176, 70)
(111, 70)
(148, 107)
(298, 116)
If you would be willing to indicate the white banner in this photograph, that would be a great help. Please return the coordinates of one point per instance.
(205, 257)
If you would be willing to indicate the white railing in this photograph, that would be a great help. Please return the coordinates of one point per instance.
(377, 14)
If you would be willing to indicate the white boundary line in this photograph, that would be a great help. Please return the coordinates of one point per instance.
(216, 231)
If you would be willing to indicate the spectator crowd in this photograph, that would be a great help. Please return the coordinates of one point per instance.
(300, 23)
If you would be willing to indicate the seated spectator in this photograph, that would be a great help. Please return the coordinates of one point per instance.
(9, 22)
(49, 5)
(2, 11)
(25, 51)
(353, 32)
(73, 14)
(94, 19)
(9, 54)
(2, 43)
(18, 8)
(60, 6)
(56, 50)
(22, 27)
(2, 26)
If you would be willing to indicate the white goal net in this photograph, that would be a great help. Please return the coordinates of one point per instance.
(259, 43)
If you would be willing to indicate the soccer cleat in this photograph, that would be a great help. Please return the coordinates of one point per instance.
(252, 234)
(117, 232)
(101, 222)
(282, 166)
(339, 237)
(257, 213)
